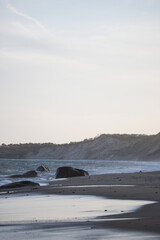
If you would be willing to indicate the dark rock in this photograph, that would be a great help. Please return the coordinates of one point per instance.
(25, 175)
(30, 174)
(66, 172)
(43, 169)
(19, 184)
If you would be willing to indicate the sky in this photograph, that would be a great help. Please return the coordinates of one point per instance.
(71, 70)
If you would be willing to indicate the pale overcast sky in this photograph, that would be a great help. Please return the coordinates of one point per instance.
(72, 69)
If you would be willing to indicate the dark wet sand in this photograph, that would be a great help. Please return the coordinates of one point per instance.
(134, 186)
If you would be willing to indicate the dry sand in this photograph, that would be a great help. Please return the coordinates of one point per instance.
(134, 186)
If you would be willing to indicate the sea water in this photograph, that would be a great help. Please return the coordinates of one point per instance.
(63, 217)
(33, 208)
(46, 213)
(10, 167)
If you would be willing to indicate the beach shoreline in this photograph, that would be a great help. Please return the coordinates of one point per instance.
(128, 186)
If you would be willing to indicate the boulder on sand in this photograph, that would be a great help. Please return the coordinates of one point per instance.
(43, 169)
(66, 172)
(19, 184)
(26, 175)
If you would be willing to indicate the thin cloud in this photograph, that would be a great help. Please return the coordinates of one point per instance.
(15, 11)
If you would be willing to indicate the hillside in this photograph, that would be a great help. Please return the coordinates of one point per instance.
(106, 146)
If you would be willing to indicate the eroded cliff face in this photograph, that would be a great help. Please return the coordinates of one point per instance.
(106, 146)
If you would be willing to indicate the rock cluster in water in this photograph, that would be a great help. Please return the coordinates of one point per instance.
(62, 172)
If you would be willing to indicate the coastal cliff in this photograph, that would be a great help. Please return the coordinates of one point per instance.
(105, 146)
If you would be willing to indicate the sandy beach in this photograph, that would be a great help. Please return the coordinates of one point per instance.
(130, 186)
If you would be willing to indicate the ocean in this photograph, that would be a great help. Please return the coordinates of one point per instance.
(60, 217)
(10, 167)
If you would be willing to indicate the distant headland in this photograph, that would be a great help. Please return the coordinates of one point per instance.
(103, 147)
